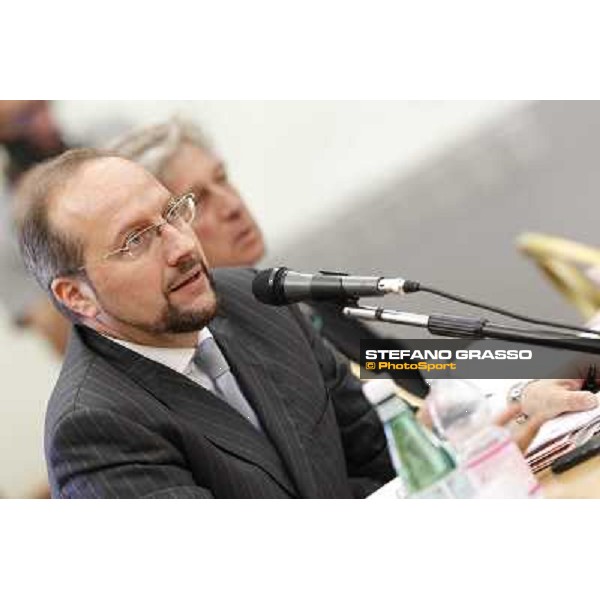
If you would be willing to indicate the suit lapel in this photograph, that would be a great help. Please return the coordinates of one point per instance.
(258, 375)
(223, 425)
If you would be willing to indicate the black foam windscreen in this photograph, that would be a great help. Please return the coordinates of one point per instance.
(267, 286)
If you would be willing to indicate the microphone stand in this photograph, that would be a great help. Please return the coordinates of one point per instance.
(475, 328)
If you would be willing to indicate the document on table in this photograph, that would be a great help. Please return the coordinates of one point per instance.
(561, 425)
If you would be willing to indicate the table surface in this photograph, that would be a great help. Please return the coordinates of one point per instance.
(582, 481)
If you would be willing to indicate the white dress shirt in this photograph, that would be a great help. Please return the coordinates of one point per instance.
(178, 359)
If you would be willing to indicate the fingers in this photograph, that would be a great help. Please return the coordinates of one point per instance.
(550, 398)
(569, 384)
(576, 401)
(524, 434)
(507, 415)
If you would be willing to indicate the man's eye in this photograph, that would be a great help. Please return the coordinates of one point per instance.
(201, 195)
(133, 241)
(222, 178)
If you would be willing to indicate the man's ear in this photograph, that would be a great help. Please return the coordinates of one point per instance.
(77, 295)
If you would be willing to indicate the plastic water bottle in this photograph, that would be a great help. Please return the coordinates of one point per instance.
(487, 453)
(426, 468)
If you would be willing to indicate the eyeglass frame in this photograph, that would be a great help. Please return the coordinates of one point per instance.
(175, 201)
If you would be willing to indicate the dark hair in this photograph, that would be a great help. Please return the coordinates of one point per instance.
(47, 251)
(23, 154)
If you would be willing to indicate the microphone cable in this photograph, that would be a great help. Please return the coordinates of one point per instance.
(415, 286)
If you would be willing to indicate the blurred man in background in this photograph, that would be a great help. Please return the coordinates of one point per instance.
(179, 154)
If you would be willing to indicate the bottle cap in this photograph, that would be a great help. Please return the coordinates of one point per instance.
(379, 390)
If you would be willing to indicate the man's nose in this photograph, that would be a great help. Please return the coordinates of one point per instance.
(177, 243)
(229, 204)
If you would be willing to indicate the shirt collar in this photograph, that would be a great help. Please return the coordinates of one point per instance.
(175, 358)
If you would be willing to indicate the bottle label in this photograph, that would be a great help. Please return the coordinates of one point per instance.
(500, 471)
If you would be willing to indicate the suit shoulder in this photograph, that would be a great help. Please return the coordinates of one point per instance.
(87, 380)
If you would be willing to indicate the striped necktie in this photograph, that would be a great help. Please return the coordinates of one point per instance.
(210, 359)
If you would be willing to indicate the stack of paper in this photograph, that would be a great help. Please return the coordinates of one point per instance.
(557, 436)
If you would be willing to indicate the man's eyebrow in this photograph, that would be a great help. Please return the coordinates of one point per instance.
(132, 225)
(200, 184)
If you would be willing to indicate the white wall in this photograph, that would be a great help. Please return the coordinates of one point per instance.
(28, 370)
(296, 162)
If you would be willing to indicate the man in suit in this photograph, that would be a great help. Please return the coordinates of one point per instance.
(178, 384)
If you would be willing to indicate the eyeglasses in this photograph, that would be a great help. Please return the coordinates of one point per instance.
(180, 212)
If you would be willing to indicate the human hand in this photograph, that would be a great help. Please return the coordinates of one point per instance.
(547, 398)
(521, 432)
(543, 400)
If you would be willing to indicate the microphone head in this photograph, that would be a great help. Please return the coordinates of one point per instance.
(267, 286)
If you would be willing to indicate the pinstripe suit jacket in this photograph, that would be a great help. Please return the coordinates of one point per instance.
(119, 425)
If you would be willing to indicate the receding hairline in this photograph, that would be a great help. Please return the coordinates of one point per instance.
(79, 171)
(49, 183)
(48, 178)
(92, 161)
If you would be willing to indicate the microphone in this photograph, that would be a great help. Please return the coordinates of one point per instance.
(282, 286)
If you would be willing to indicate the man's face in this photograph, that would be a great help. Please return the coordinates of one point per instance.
(229, 235)
(151, 299)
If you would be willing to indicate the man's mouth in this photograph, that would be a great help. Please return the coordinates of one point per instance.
(193, 275)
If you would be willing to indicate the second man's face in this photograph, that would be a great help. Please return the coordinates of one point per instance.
(229, 235)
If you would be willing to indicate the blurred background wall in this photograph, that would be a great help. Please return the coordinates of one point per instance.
(434, 191)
